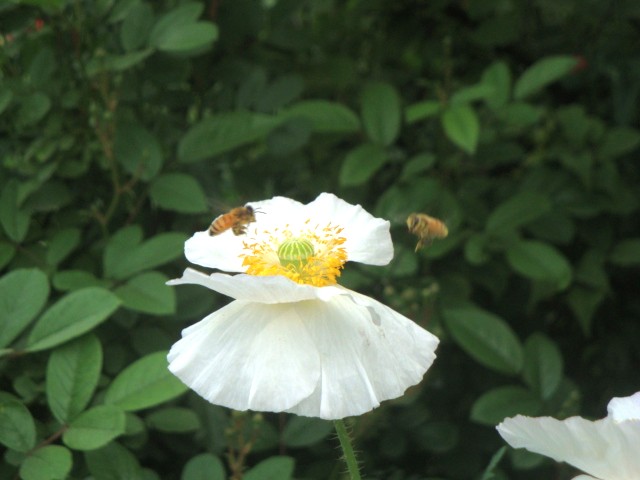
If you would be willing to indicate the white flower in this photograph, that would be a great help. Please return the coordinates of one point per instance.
(293, 339)
(607, 449)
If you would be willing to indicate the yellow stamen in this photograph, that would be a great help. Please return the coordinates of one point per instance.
(313, 257)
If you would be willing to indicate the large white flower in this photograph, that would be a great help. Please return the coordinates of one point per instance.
(607, 449)
(293, 339)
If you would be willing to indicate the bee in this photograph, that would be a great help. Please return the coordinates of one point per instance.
(235, 219)
(426, 228)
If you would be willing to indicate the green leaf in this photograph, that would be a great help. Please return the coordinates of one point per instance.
(305, 431)
(62, 243)
(626, 253)
(417, 165)
(178, 192)
(116, 63)
(95, 428)
(361, 163)
(540, 261)
(17, 428)
(517, 211)
(290, 136)
(461, 126)
(136, 26)
(274, 468)
(204, 467)
(6, 95)
(575, 124)
(73, 371)
(554, 227)
(148, 293)
(76, 313)
(591, 270)
(14, 221)
(15, 312)
(381, 112)
(224, 132)
(32, 109)
(584, 303)
(486, 337)
(490, 472)
(66, 280)
(7, 252)
(520, 115)
(543, 73)
(124, 256)
(581, 164)
(325, 116)
(137, 150)
(495, 405)
(144, 383)
(183, 38)
(282, 91)
(186, 14)
(476, 250)
(543, 365)
(113, 462)
(173, 420)
(421, 110)
(51, 462)
(498, 76)
(472, 93)
(42, 68)
(619, 141)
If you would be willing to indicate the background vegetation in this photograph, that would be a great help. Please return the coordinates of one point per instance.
(127, 123)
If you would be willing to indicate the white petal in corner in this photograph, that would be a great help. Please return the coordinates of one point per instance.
(603, 448)
(275, 289)
(313, 358)
(368, 354)
(248, 356)
(625, 408)
(368, 237)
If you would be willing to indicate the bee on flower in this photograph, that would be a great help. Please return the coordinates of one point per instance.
(294, 340)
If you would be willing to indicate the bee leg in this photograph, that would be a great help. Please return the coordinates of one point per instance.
(239, 229)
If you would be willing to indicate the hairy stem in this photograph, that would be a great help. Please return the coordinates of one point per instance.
(347, 450)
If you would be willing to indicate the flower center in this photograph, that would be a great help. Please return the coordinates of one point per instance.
(313, 256)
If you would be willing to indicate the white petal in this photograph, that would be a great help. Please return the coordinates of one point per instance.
(624, 408)
(248, 356)
(221, 251)
(258, 289)
(602, 448)
(323, 359)
(368, 237)
(276, 212)
(367, 354)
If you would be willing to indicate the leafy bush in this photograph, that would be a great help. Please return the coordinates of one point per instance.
(126, 123)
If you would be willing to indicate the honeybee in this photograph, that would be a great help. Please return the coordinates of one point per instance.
(426, 228)
(235, 219)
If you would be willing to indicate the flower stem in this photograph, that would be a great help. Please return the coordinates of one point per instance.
(347, 450)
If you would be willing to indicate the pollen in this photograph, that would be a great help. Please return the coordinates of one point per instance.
(312, 256)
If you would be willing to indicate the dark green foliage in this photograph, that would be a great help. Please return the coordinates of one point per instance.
(126, 125)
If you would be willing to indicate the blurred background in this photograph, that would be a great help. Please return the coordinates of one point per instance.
(127, 125)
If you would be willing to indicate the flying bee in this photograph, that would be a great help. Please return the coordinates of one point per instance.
(235, 219)
(426, 228)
